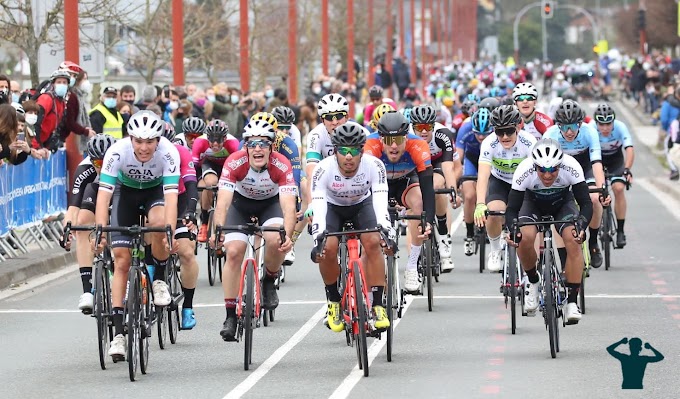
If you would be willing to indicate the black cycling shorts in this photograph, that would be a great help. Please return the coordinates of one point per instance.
(243, 210)
(615, 164)
(210, 167)
(532, 210)
(129, 204)
(361, 215)
(398, 188)
(498, 190)
(180, 230)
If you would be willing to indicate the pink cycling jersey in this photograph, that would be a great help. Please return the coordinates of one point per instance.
(186, 167)
(202, 151)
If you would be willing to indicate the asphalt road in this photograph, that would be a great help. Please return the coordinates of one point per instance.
(462, 349)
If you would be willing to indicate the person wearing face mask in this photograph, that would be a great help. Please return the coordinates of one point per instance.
(15, 89)
(51, 117)
(172, 109)
(201, 107)
(127, 94)
(105, 117)
(4, 90)
(226, 108)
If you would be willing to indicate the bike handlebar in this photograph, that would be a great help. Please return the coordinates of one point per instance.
(250, 229)
(135, 230)
(214, 189)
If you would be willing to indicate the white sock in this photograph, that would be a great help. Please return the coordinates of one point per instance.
(495, 243)
(413, 256)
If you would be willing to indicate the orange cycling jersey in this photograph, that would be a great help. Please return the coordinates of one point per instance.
(416, 157)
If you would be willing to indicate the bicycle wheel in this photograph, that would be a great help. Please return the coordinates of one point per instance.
(145, 320)
(101, 313)
(175, 288)
(162, 317)
(549, 301)
(391, 307)
(212, 256)
(584, 275)
(362, 348)
(247, 316)
(606, 238)
(427, 260)
(220, 263)
(133, 309)
(512, 282)
(481, 243)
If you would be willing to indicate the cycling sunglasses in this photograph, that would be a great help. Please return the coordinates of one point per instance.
(258, 143)
(334, 116)
(97, 163)
(284, 127)
(604, 119)
(551, 169)
(505, 131)
(353, 151)
(423, 127)
(572, 126)
(389, 140)
(525, 97)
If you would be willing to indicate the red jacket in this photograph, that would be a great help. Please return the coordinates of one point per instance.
(52, 110)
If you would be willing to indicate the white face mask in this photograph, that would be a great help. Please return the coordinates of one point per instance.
(86, 86)
(173, 105)
(31, 119)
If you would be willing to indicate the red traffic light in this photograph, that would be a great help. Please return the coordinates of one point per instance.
(547, 9)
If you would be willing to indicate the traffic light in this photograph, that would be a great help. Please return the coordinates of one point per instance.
(547, 9)
(641, 22)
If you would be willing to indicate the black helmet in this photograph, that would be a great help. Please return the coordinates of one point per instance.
(393, 124)
(507, 100)
(569, 112)
(217, 130)
(169, 131)
(284, 115)
(469, 107)
(98, 145)
(423, 114)
(375, 92)
(489, 103)
(505, 115)
(569, 95)
(349, 134)
(193, 125)
(604, 113)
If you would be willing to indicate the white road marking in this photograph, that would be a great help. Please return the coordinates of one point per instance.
(276, 357)
(670, 203)
(345, 388)
(36, 282)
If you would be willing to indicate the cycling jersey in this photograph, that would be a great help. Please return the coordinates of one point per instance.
(470, 145)
(319, 145)
(296, 136)
(416, 157)
(284, 145)
(538, 125)
(331, 186)
(618, 138)
(585, 147)
(187, 172)
(276, 178)
(442, 148)
(458, 121)
(526, 179)
(504, 162)
(121, 166)
(464, 129)
(202, 152)
(85, 174)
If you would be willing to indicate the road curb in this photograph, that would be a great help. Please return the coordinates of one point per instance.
(666, 186)
(51, 263)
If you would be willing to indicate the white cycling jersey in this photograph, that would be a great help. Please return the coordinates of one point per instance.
(329, 185)
(526, 179)
(504, 162)
(296, 136)
(121, 166)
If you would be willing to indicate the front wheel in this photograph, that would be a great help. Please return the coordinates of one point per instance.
(427, 264)
(101, 312)
(512, 283)
(362, 349)
(212, 253)
(481, 244)
(133, 323)
(392, 296)
(247, 316)
(549, 302)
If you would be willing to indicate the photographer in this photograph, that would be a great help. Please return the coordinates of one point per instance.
(13, 145)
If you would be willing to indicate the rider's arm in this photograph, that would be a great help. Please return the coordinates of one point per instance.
(231, 144)
(582, 196)
(515, 199)
(108, 178)
(595, 154)
(170, 181)
(379, 191)
(318, 188)
(444, 140)
(289, 149)
(427, 190)
(225, 195)
(627, 144)
(484, 167)
(199, 147)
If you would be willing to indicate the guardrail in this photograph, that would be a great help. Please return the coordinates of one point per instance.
(32, 204)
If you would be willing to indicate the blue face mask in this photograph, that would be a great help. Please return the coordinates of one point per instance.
(110, 102)
(15, 98)
(234, 99)
(60, 89)
(72, 82)
(269, 93)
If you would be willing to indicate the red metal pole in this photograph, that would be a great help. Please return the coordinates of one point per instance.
(473, 28)
(414, 75)
(438, 27)
(350, 52)
(71, 53)
(177, 42)
(324, 37)
(423, 52)
(243, 48)
(402, 33)
(370, 75)
(389, 39)
(292, 52)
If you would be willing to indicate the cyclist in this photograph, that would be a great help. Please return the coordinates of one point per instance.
(209, 154)
(466, 110)
(409, 177)
(286, 120)
(140, 174)
(614, 140)
(350, 186)
(547, 184)
(81, 212)
(186, 209)
(380, 110)
(255, 182)
(467, 147)
(535, 123)
(375, 94)
(446, 165)
(192, 129)
(582, 142)
(500, 153)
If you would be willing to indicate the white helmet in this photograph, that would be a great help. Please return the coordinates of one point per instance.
(547, 153)
(259, 128)
(332, 103)
(524, 89)
(145, 125)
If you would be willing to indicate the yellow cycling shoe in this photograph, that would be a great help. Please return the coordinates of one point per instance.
(381, 320)
(333, 320)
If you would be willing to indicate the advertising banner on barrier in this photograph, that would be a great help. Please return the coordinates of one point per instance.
(32, 191)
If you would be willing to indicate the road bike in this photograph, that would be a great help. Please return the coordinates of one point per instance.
(608, 227)
(216, 257)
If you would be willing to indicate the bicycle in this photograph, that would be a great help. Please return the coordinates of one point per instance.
(395, 296)
(511, 279)
(553, 292)
(355, 303)
(103, 272)
(427, 265)
(480, 238)
(140, 314)
(249, 310)
(608, 226)
(216, 258)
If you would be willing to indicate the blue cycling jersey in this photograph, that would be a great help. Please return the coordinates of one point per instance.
(468, 142)
(585, 147)
(285, 145)
(619, 137)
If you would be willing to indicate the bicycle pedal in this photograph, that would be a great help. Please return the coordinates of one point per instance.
(118, 358)
(529, 314)
(571, 322)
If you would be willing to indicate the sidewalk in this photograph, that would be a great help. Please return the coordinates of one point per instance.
(36, 262)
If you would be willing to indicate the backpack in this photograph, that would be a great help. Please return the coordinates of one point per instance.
(43, 87)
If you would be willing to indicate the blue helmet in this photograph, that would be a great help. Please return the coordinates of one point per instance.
(481, 122)
(473, 97)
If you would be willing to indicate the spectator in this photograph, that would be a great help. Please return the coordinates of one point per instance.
(124, 108)
(183, 113)
(191, 90)
(4, 90)
(83, 90)
(201, 107)
(308, 115)
(13, 145)
(156, 109)
(670, 111)
(15, 90)
(105, 117)
(226, 108)
(127, 94)
(76, 120)
(172, 109)
(402, 77)
(149, 97)
(280, 99)
(51, 117)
